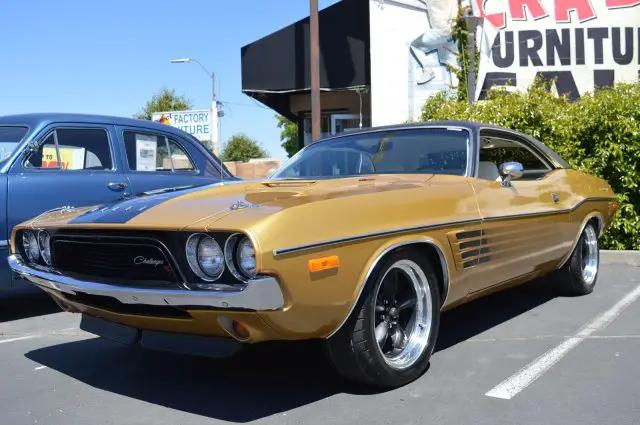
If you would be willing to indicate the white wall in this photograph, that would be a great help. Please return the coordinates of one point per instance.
(395, 96)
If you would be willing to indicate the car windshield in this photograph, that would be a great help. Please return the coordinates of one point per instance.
(402, 151)
(10, 138)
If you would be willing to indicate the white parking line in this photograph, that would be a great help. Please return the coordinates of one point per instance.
(517, 382)
(4, 341)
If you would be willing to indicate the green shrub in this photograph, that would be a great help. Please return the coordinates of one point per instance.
(599, 133)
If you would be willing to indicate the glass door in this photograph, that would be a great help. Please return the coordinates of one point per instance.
(345, 122)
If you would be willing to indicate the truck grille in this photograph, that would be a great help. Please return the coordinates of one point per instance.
(141, 263)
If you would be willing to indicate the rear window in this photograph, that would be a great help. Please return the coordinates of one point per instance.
(153, 153)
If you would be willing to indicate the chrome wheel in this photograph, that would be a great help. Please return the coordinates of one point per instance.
(589, 257)
(403, 314)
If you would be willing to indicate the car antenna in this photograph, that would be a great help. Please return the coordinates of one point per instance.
(219, 157)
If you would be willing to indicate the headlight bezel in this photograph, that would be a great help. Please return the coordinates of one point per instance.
(231, 251)
(193, 243)
(27, 244)
(238, 252)
(45, 251)
(233, 276)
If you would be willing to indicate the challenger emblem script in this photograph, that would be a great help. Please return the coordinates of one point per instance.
(148, 261)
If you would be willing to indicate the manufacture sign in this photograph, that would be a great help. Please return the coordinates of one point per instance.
(195, 122)
(579, 44)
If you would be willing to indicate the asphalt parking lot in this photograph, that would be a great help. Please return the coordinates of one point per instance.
(524, 356)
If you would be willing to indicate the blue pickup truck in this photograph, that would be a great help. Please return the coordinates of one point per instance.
(50, 161)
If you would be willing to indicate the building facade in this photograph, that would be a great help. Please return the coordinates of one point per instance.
(380, 60)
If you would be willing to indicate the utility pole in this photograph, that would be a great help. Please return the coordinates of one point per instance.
(315, 71)
(472, 25)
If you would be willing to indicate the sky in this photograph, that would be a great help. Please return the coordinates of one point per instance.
(110, 57)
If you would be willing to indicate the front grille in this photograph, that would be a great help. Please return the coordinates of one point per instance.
(140, 263)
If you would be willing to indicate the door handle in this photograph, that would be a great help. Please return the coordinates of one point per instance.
(117, 186)
(555, 197)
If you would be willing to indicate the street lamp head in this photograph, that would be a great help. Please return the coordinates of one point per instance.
(182, 60)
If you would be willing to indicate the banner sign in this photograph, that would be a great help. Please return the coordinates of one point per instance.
(195, 122)
(579, 44)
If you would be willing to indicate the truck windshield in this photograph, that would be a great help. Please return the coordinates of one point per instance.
(402, 151)
(10, 138)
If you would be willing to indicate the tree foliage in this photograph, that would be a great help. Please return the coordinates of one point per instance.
(241, 147)
(599, 134)
(460, 33)
(164, 100)
(288, 135)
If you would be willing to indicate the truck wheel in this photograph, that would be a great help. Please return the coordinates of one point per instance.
(391, 333)
(579, 275)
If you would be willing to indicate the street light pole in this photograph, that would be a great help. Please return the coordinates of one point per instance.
(472, 24)
(213, 118)
(315, 71)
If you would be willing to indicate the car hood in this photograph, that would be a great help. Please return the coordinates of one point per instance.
(180, 208)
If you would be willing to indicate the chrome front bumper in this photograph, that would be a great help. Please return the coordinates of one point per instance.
(259, 294)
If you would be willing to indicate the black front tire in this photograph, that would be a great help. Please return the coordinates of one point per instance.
(354, 350)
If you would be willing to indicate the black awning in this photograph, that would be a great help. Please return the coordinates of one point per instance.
(278, 64)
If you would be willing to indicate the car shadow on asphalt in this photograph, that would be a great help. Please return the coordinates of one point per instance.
(266, 380)
(469, 320)
(25, 304)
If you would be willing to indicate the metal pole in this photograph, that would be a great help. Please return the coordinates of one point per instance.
(214, 117)
(315, 71)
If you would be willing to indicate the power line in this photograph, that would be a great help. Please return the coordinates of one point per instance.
(256, 105)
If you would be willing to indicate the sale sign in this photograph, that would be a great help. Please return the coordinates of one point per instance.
(580, 45)
(70, 158)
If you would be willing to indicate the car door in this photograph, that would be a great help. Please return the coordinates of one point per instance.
(525, 223)
(72, 165)
(156, 160)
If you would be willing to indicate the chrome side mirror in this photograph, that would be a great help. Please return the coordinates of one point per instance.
(510, 171)
(31, 148)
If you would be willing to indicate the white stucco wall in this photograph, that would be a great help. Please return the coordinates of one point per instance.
(395, 96)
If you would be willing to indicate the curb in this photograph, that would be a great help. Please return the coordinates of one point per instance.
(628, 258)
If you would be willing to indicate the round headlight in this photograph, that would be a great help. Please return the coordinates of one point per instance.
(246, 258)
(205, 257)
(30, 245)
(44, 242)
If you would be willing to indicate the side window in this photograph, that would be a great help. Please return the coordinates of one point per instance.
(179, 158)
(150, 152)
(73, 149)
(496, 151)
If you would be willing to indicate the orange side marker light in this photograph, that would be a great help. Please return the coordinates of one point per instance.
(324, 263)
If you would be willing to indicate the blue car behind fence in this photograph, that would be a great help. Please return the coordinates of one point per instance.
(49, 161)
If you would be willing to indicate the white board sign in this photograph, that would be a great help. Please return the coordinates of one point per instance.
(146, 152)
(195, 122)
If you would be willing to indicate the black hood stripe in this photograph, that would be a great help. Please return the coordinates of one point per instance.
(121, 211)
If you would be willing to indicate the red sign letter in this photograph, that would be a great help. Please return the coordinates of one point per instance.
(619, 4)
(534, 6)
(582, 8)
(498, 20)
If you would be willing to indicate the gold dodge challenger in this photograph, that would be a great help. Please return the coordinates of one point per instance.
(360, 240)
